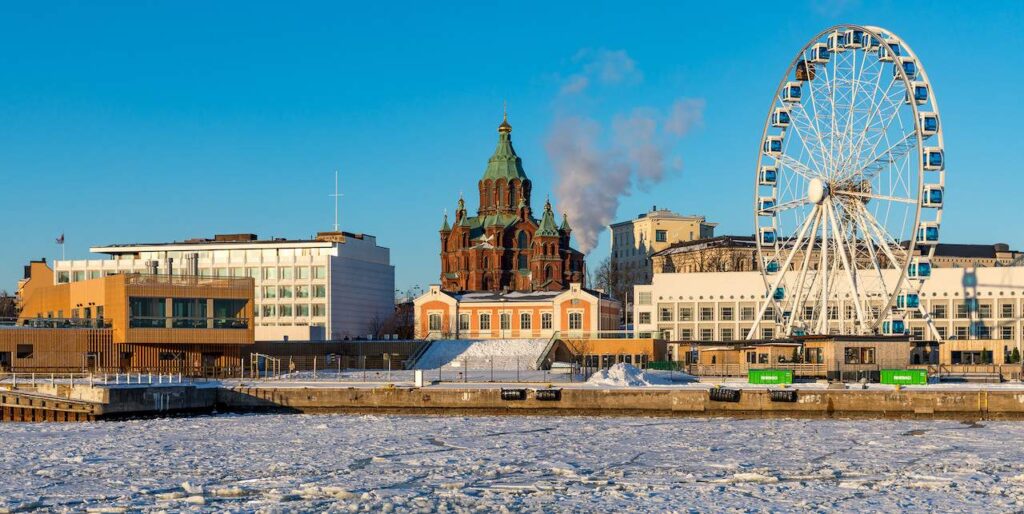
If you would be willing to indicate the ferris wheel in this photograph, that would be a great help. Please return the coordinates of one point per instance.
(849, 188)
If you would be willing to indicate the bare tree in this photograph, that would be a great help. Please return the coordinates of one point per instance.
(8, 305)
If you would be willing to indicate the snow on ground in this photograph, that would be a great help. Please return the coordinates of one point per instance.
(505, 353)
(627, 375)
(302, 463)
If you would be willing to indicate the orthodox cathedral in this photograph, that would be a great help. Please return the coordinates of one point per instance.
(503, 247)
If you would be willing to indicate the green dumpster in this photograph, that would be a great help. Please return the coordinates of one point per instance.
(904, 376)
(770, 376)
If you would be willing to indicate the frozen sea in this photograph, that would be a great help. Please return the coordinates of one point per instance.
(349, 463)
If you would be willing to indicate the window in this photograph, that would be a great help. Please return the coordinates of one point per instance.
(833, 312)
(25, 351)
(985, 311)
(751, 357)
(661, 236)
(706, 334)
(94, 274)
(747, 313)
(941, 331)
(961, 311)
(523, 262)
(319, 291)
(269, 311)
(302, 291)
(767, 333)
(769, 313)
(302, 309)
(707, 314)
(917, 333)
(302, 273)
(726, 313)
(685, 314)
(665, 313)
(147, 312)
(189, 312)
(269, 292)
(1006, 332)
(726, 334)
(62, 277)
(545, 321)
(1007, 310)
(269, 273)
(981, 331)
(814, 356)
(961, 332)
(319, 310)
(434, 322)
(685, 334)
(859, 355)
(644, 298)
(525, 321)
(485, 321)
(252, 272)
(644, 318)
(77, 276)
(285, 273)
(939, 311)
(809, 312)
(284, 311)
(762, 358)
(576, 320)
(505, 320)
(285, 291)
(319, 272)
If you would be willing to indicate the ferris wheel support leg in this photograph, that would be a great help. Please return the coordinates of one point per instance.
(823, 269)
(782, 273)
(803, 271)
(850, 272)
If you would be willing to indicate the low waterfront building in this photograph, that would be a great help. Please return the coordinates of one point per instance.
(129, 321)
(337, 285)
(514, 315)
(978, 312)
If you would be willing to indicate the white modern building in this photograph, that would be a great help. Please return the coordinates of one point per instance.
(965, 304)
(338, 285)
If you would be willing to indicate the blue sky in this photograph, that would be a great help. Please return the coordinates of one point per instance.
(156, 121)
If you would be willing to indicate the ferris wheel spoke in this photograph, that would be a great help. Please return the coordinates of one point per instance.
(883, 129)
(797, 166)
(860, 194)
(883, 238)
(807, 139)
(887, 157)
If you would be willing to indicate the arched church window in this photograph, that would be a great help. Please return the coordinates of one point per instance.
(523, 241)
(523, 262)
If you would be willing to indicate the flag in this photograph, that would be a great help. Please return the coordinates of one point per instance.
(60, 240)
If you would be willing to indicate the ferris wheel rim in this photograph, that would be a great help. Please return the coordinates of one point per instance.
(883, 37)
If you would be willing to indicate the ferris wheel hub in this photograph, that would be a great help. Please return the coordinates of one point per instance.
(817, 190)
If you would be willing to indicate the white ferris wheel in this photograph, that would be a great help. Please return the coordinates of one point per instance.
(849, 188)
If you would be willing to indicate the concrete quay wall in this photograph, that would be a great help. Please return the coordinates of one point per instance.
(823, 403)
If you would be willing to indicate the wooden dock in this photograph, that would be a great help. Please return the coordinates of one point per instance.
(28, 406)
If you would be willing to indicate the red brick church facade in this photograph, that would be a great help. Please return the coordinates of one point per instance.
(503, 247)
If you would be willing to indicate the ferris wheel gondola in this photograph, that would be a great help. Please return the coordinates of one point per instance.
(850, 187)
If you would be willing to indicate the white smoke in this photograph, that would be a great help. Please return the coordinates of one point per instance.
(595, 170)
